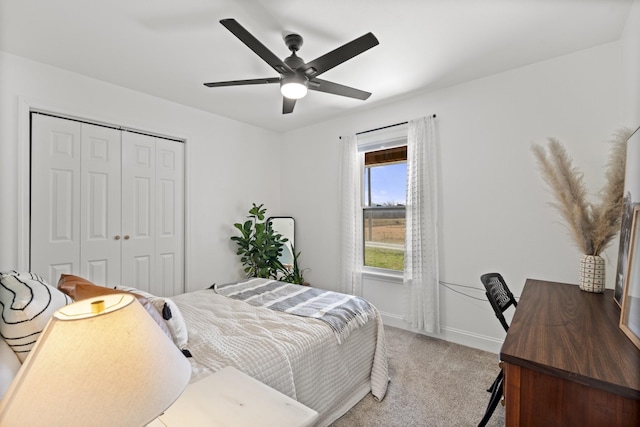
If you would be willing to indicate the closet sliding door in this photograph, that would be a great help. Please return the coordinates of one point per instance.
(107, 205)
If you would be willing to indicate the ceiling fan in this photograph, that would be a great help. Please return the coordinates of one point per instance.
(296, 76)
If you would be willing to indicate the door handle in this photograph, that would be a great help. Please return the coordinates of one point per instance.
(117, 237)
(126, 237)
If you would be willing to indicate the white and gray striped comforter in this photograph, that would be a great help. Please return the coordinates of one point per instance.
(342, 312)
(298, 356)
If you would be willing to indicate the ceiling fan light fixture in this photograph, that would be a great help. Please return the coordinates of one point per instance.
(295, 75)
(293, 87)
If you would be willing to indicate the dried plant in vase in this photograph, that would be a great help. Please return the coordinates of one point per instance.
(592, 225)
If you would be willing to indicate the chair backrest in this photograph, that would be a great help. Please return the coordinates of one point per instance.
(499, 295)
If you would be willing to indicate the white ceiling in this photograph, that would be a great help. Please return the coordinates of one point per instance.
(169, 48)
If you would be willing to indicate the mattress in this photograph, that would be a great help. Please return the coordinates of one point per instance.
(298, 356)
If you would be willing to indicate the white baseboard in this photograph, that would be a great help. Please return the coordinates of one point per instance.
(457, 336)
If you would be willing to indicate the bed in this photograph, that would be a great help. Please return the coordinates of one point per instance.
(324, 365)
(299, 356)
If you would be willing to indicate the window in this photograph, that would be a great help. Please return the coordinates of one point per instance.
(384, 190)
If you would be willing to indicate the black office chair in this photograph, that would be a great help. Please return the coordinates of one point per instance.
(500, 298)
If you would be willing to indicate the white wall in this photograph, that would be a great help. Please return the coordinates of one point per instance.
(225, 160)
(494, 214)
(630, 40)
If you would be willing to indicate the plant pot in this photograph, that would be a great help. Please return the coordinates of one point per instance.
(592, 273)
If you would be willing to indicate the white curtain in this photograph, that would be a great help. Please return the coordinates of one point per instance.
(421, 243)
(351, 211)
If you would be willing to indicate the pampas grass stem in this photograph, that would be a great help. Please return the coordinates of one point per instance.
(592, 226)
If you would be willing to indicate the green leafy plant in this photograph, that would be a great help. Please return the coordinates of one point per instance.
(259, 246)
(295, 274)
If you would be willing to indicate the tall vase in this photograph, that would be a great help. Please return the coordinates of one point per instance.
(592, 273)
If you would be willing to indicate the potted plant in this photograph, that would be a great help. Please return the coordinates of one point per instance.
(260, 249)
(294, 274)
(259, 246)
(591, 225)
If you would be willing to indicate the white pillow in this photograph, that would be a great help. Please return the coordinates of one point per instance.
(9, 365)
(27, 303)
(170, 313)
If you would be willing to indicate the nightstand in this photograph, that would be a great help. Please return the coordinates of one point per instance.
(231, 398)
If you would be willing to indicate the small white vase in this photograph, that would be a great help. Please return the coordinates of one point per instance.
(592, 274)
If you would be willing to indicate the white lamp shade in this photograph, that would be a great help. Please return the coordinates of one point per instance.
(293, 87)
(114, 368)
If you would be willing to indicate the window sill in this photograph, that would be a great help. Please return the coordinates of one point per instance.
(381, 274)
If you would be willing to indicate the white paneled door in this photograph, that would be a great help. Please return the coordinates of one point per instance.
(169, 226)
(152, 213)
(55, 196)
(107, 205)
(138, 210)
(100, 170)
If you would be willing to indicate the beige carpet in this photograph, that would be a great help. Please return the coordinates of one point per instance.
(433, 383)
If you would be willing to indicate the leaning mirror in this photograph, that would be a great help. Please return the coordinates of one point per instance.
(285, 225)
(630, 316)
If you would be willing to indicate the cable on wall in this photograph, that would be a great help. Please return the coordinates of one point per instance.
(449, 285)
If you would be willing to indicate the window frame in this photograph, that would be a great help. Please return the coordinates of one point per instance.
(378, 270)
(381, 139)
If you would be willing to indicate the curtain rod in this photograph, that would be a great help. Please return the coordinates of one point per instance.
(385, 127)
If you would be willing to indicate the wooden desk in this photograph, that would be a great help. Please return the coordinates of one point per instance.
(230, 398)
(566, 361)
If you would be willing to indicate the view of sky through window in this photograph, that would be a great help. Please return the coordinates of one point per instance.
(389, 184)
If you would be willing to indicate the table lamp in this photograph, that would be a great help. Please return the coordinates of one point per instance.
(99, 362)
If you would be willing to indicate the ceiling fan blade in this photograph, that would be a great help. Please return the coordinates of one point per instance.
(337, 89)
(244, 82)
(287, 105)
(254, 44)
(338, 56)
